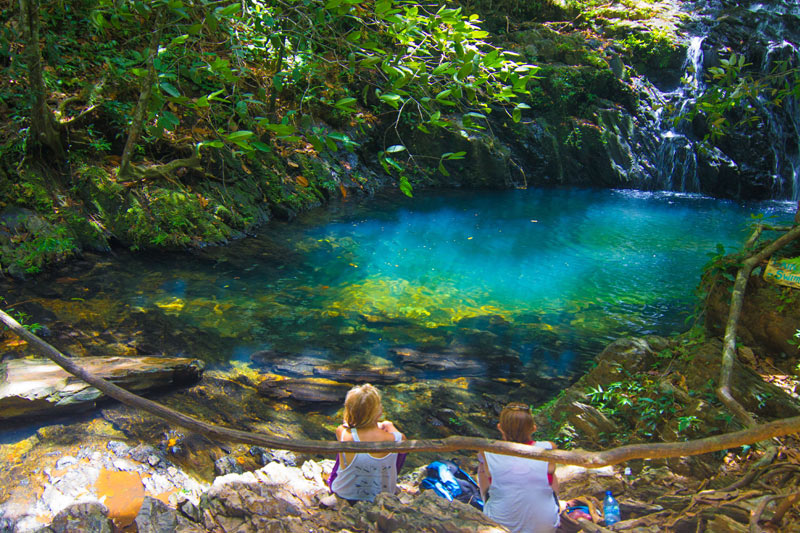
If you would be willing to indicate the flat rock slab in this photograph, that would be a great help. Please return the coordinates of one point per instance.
(39, 387)
(304, 390)
(307, 366)
(445, 364)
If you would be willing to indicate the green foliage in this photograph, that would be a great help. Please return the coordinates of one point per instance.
(653, 48)
(21, 317)
(640, 400)
(732, 98)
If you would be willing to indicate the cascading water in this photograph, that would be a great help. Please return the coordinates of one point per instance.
(676, 156)
(759, 159)
(784, 123)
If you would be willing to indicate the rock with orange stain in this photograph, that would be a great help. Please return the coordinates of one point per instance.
(122, 493)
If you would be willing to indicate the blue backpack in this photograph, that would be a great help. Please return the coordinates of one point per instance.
(449, 481)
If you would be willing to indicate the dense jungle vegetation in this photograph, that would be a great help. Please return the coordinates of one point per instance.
(179, 123)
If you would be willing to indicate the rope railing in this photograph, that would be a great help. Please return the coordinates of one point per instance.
(588, 459)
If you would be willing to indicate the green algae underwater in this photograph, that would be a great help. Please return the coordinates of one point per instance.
(453, 303)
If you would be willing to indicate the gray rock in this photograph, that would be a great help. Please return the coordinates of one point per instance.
(157, 517)
(65, 461)
(191, 511)
(227, 465)
(39, 387)
(118, 448)
(81, 518)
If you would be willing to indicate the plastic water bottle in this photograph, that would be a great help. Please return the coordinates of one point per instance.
(610, 509)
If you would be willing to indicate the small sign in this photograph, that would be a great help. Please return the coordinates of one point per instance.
(784, 272)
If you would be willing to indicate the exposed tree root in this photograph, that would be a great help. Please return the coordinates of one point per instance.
(737, 301)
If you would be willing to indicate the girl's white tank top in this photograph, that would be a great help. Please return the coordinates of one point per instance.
(367, 476)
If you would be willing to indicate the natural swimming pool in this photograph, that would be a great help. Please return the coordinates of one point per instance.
(472, 297)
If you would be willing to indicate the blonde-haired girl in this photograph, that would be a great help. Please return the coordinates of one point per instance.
(361, 476)
(519, 492)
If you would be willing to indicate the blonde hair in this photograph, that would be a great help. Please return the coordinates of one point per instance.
(517, 423)
(362, 406)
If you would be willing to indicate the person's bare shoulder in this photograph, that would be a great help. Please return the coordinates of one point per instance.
(342, 434)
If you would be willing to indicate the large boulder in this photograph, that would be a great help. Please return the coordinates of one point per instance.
(39, 387)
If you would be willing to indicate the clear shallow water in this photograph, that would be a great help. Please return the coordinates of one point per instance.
(546, 277)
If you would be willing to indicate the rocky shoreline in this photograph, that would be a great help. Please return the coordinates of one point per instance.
(119, 487)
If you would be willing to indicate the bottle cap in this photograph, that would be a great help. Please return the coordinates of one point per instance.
(608, 493)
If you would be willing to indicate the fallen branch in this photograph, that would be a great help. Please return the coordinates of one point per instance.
(737, 301)
(578, 457)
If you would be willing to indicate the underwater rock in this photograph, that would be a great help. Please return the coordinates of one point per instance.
(304, 390)
(302, 366)
(447, 363)
(39, 387)
(362, 374)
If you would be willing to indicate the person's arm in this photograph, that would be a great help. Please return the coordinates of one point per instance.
(484, 479)
(551, 473)
(388, 427)
(342, 435)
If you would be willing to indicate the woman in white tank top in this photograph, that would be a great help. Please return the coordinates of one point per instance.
(362, 476)
(520, 493)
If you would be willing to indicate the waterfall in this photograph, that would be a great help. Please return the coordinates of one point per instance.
(675, 159)
(762, 156)
(784, 125)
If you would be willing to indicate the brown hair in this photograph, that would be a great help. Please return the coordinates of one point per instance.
(517, 423)
(362, 406)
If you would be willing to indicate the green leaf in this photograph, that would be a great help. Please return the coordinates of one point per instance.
(238, 136)
(258, 145)
(395, 148)
(228, 10)
(345, 103)
(178, 40)
(443, 170)
(516, 115)
(405, 186)
(212, 144)
(168, 120)
(391, 98)
(281, 130)
(370, 61)
(316, 142)
(441, 68)
(444, 94)
(215, 96)
(170, 89)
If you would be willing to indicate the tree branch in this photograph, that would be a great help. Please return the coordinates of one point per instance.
(584, 458)
(737, 301)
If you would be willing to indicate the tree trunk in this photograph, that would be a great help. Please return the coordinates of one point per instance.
(140, 114)
(44, 137)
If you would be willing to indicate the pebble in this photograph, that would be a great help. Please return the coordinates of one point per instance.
(118, 448)
(65, 461)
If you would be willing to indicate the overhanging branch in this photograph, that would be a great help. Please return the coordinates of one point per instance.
(583, 458)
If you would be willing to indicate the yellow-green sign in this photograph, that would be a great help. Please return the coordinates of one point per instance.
(784, 272)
